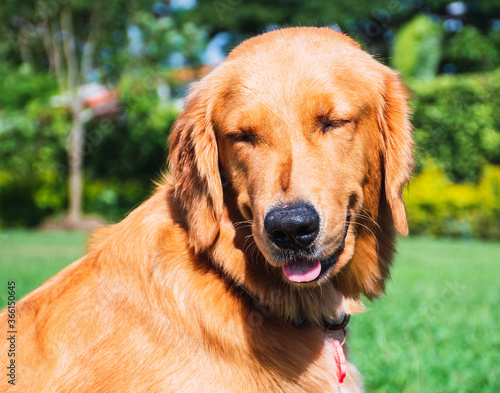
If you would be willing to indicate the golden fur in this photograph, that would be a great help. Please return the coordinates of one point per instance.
(186, 294)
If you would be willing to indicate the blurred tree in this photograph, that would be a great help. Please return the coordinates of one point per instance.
(417, 48)
(471, 51)
(70, 32)
(367, 20)
(133, 44)
(373, 23)
(245, 17)
(167, 41)
(54, 48)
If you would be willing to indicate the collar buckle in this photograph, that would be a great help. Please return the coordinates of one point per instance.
(337, 326)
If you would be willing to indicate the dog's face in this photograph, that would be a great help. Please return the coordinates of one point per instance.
(313, 136)
(295, 140)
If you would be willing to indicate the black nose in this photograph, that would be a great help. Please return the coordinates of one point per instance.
(292, 226)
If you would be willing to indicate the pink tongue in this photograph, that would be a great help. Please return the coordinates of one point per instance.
(302, 270)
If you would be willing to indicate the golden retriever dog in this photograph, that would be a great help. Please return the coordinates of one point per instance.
(239, 274)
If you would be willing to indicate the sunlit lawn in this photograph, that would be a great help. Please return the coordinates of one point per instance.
(30, 258)
(436, 330)
(438, 327)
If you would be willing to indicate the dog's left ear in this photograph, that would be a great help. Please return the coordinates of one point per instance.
(394, 119)
(194, 163)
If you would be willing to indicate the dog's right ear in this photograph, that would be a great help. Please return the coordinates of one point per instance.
(194, 162)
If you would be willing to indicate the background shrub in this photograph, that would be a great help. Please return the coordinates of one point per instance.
(457, 129)
(457, 123)
(123, 156)
(438, 207)
(416, 51)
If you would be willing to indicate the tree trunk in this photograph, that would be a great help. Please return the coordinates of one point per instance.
(24, 48)
(75, 158)
(76, 137)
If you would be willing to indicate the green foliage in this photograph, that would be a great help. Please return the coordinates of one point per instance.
(457, 121)
(113, 199)
(128, 152)
(126, 156)
(417, 48)
(249, 17)
(470, 51)
(32, 154)
(372, 23)
(134, 146)
(169, 35)
(439, 207)
(21, 84)
(103, 24)
(486, 222)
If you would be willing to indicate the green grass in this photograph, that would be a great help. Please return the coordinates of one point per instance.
(436, 330)
(30, 258)
(438, 327)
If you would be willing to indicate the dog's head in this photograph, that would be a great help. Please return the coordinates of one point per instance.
(313, 137)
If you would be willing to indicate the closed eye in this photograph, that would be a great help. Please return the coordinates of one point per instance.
(244, 137)
(328, 125)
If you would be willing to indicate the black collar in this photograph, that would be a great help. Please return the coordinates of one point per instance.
(328, 325)
(299, 323)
